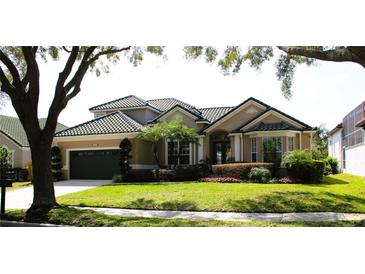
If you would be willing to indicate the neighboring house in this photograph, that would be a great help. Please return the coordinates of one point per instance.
(14, 139)
(346, 142)
(226, 134)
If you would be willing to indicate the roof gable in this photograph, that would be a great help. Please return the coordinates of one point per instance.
(165, 104)
(234, 111)
(281, 115)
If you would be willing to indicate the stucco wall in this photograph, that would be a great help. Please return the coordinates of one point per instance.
(335, 147)
(355, 160)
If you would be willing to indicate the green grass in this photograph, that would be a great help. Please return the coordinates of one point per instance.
(89, 218)
(18, 185)
(337, 193)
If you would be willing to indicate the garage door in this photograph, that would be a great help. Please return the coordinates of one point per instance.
(94, 164)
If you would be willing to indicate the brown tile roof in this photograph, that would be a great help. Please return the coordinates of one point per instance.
(214, 113)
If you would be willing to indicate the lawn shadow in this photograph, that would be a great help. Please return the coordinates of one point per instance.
(143, 203)
(298, 202)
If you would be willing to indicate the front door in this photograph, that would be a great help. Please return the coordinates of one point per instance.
(221, 152)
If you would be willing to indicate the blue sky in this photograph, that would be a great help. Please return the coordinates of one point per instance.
(322, 94)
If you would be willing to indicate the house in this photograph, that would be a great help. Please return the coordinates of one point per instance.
(346, 142)
(226, 134)
(14, 139)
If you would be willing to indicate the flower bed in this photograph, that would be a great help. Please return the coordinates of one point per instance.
(220, 180)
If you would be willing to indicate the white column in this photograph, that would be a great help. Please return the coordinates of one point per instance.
(237, 148)
(200, 149)
(190, 153)
(300, 140)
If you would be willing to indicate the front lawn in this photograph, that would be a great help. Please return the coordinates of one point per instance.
(337, 193)
(89, 218)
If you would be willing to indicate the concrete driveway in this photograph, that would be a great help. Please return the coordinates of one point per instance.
(22, 198)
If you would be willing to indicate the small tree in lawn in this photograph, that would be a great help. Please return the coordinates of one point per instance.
(56, 163)
(154, 135)
(125, 150)
(176, 130)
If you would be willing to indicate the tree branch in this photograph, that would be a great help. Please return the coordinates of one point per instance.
(340, 54)
(6, 86)
(11, 67)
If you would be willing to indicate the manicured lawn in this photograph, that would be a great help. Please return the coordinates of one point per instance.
(89, 218)
(18, 185)
(337, 193)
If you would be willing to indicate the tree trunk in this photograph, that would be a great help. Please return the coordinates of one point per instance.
(156, 155)
(44, 195)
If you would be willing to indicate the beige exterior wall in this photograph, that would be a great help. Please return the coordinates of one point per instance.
(20, 155)
(186, 119)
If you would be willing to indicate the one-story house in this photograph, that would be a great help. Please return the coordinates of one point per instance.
(346, 142)
(14, 139)
(226, 134)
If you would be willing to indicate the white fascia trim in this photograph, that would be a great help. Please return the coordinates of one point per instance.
(233, 113)
(288, 133)
(274, 112)
(177, 109)
(121, 109)
(235, 134)
(95, 137)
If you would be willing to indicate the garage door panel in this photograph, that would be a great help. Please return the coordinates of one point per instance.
(94, 164)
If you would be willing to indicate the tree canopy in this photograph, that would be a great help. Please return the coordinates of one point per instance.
(232, 58)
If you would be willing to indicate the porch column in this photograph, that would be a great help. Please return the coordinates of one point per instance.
(237, 148)
(300, 140)
(200, 149)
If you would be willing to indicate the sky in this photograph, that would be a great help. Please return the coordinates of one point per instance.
(322, 94)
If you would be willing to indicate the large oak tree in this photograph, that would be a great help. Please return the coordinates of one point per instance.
(19, 79)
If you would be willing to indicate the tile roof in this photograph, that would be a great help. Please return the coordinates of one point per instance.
(12, 127)
(272, 126)
(214, 113)
(116, 122)
(165, 104)
(129, 101)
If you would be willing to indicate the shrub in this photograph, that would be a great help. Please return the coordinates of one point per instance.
(238, 170)
(118, 178)
(124, 156)
(165, 175)
(4, 161)
(220, 180)
(141, 175)
(56, 163)
(295, 157)
(260, 174)
(301, 166)
(331, 165)
(308, 170)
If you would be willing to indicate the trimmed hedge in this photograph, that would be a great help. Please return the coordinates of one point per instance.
(238, 170)
(307, 170)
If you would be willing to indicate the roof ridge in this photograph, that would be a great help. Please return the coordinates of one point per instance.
(121, 98)
(216, 107)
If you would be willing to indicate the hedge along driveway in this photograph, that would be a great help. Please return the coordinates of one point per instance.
(338, 193)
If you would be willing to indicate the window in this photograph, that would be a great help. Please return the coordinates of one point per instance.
(178, 152)
(353, 135)
(253, 150)
(290, 143)
(272, 148)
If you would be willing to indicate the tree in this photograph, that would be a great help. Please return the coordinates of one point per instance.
(320, 143)
(176, 130)
(125, 150)
(154, 134)
(289, 57)
(19, 79)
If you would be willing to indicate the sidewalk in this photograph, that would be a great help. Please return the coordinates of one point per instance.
(232, 216)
